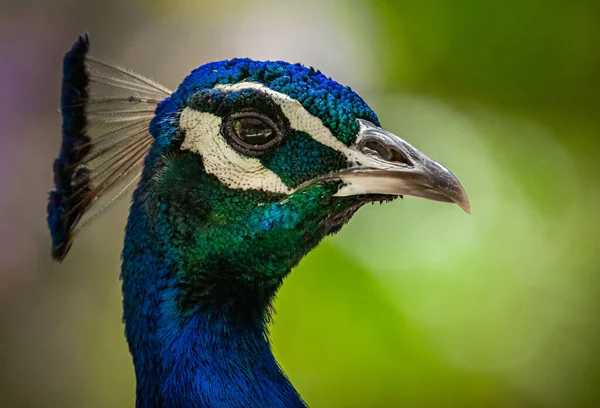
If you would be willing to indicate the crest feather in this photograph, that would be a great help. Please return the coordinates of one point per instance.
(106, 112)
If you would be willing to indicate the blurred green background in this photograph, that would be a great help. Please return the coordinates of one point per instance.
(413, 304)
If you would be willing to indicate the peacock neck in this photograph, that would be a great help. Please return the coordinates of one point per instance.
(215, 354)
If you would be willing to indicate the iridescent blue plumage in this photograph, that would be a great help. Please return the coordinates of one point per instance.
(337, 106)
(246, 168)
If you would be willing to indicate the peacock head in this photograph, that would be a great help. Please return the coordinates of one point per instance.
(255, 162)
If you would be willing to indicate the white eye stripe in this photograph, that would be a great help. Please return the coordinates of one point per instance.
(303, 121)
(300, 119)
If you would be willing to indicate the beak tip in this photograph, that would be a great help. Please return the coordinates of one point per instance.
(459, 196)
(462, 200)
(465, 206)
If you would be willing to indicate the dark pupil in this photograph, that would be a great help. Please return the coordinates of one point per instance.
(253, 131)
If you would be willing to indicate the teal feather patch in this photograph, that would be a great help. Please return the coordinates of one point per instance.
(301, 158)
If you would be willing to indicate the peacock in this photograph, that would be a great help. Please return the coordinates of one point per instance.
(240, 173)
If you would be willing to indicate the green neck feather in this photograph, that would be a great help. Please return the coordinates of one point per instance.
(199, 276)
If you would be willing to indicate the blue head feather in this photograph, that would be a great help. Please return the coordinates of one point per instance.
(337, 105)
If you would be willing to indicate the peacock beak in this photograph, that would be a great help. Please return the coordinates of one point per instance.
(388, 165)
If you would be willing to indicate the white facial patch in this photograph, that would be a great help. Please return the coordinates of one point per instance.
(203, 136)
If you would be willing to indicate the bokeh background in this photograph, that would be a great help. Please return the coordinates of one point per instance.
(414, 303)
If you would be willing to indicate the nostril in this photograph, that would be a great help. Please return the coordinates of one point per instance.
(381, 150)
(388, 153)
(399, 157)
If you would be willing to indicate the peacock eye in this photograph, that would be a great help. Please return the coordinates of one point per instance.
(251, 132)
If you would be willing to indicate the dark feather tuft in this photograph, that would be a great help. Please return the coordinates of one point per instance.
(71, 181)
